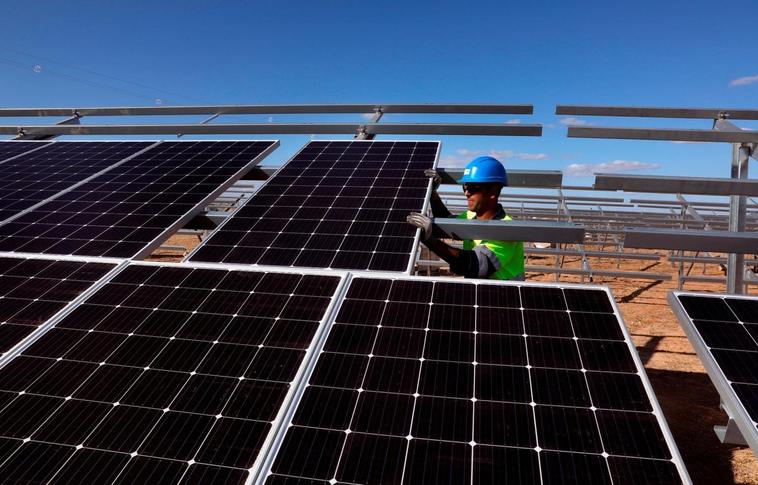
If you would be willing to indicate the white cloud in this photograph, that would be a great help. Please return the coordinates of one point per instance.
(744, 81)
(513, 122)
(615, 166)
(572, 121)
(463, 156)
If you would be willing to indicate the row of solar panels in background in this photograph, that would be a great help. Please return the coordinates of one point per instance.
(180, 374)
(723, 329)
(113, 199)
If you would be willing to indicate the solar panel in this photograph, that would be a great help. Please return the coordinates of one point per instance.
(9, 149)
(129, 210)
(336, 204)
(433, 381)
(167, 373)
(724, 332)
(33, 290)
(34, 177)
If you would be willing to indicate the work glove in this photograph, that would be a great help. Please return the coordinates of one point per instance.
(422, 222)
(435, 176)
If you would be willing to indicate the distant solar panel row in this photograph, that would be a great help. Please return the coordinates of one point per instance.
(33, 290)
(336, 204)
(455, 383)
(34, 177)
(129, 208)
(164, 375)
(9, 149)
(724, 332)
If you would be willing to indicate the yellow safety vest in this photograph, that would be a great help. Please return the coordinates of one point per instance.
(509, 253)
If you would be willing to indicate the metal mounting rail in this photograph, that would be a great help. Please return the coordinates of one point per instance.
(558, 232)
(516, 178)
(676, 185)
(485, 129)
(653, 112)
(525, 109)
(717, 241)
(666, 134)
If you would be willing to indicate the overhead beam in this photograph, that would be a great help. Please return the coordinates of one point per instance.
(539, 231)
(653, 112)
(667, 134)
(676, 185)
(483, 129)
(525, 109)
(716, 241)
(516, 178)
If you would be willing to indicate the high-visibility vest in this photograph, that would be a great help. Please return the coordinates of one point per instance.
(509, 253)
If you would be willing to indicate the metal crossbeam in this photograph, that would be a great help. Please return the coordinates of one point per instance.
(717, 241)
(676, 185)
(511, 230)
(516, 178)
(486, 129)
(525, 109)
(653, 112)
(662, 134)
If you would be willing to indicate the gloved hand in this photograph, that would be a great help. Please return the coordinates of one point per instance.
(435, 176)
(422, 222)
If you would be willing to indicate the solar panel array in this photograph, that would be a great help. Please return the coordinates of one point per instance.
(9, 149)
(128, 209)
(33, 290)
(724, 332)
(423, 382)
(165, 374)
(34, 177)
(336, 204)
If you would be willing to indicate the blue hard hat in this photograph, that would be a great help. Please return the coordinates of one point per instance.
(484, 170)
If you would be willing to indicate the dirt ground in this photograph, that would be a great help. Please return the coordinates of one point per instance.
(689, 400)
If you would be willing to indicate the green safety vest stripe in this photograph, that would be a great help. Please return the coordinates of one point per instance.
(509, 253)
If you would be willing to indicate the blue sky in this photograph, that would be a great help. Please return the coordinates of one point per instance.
(676, 53)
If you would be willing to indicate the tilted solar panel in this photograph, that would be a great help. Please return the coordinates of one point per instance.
(433, 381)
(33, 290)
(9, 149)
(336, 204)
(724, 332)
(129, 210)
(31, 178)
(166, 374)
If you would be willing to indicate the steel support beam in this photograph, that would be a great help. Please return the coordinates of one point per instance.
(735, 272)
(662, 134)
(516, 178)
(539, 231)
(525, 109)
(676, 185)
(652, 112)
(71, 120)
(484, 129)
(716, 241)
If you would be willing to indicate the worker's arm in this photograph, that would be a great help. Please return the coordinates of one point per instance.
(438, 207)
(477, 263)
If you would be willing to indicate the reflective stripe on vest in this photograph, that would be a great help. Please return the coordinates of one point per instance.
(509, 253)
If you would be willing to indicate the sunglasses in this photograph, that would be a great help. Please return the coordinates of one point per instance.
(473, 188)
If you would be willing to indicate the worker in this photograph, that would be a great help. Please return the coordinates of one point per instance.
(483, 179)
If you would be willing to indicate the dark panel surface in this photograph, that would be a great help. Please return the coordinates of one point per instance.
(10, 149)
(435, 393)
(39, 175)
(33, 290)
(165, 375)
(334, 205)
(120, 212)
(727, 328)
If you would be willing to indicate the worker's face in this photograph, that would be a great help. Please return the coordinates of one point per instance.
(480, 196)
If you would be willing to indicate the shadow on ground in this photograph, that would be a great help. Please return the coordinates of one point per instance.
(691, 406)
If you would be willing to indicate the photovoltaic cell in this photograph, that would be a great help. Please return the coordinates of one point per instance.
(9, 149)
(164, 375)
(34, 177)
(724, 332)
(33, 290)
(336, 204)
(424, 381)
(124, 211)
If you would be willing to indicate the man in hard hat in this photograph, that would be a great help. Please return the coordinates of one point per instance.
(482, 182)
